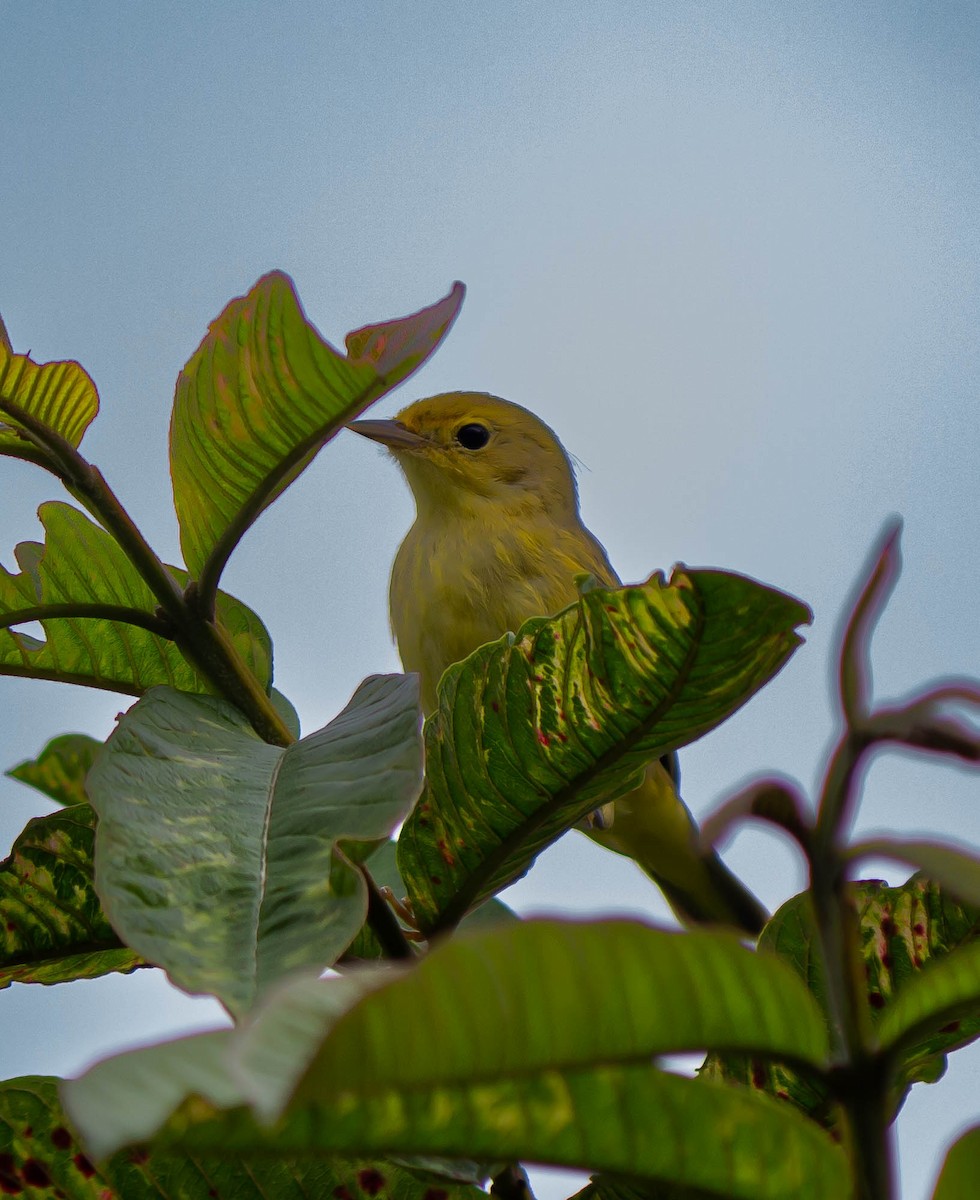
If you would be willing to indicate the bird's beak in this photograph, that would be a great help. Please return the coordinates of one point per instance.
(389, 433)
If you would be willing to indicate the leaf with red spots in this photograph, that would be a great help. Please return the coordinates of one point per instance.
(370, 1181)
(39, 1155)
(51, 1163)
(52, 927)
(908, 934)
(943, 1001)
(535, 730)
(59, 770)
(259, 398)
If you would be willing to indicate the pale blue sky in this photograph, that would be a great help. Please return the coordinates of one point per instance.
(729, 251)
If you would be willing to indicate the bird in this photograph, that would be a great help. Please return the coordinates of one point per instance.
(498, 539)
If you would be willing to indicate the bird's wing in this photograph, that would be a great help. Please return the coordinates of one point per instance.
(583, 554)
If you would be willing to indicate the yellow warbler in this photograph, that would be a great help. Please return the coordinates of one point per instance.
(498, 539)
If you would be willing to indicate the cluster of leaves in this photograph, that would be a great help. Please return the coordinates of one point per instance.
(208, 838)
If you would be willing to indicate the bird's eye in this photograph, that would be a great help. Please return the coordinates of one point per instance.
(473, 436)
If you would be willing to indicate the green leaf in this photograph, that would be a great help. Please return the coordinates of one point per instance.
(902, 930)
(953, 866)
(54, 397)
(81, 571)
(665, 1129)
(282, 1036)
(125, 1099)
(961, 1170)
(59, 770)
(110, 1109)
(518, 1043)
(284, 707)
(217, 853)
(659, 992)
(52, 928)
(534, 730)
(937, 1000)
(38, 1143)
(260, 396)
(40, 1154)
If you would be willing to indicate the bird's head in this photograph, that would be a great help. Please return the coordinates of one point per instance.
(461, 449)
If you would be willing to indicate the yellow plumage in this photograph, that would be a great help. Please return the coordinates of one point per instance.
(498, 539)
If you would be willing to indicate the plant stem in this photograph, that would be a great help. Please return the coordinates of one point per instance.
(203, 642)
(869, 1127)
(91, 612)
(860, 1079)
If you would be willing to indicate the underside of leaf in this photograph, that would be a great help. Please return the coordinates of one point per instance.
(100, 633)
(233, 878)
(58, 397)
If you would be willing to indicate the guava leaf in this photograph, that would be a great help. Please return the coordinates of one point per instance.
(668, 1130)
(492, 1047)
(284, 707)
(80, 570)
(59, 770)
(535, 730)
(218, 853)
(57, 397)
(491, 1003)
(52, 928)
(903, 930)
(940, 998)
(260, 396)
(40, 1156)
(125, 1099)
(961, 1168)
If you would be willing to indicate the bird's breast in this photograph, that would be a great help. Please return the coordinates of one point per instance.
(453, 588)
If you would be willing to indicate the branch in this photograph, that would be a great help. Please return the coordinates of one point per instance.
(202, 641)
(99, 612)
(855, 654)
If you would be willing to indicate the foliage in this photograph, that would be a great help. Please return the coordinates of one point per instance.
(206, 837)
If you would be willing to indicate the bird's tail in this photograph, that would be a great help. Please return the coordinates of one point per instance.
(652, 826)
